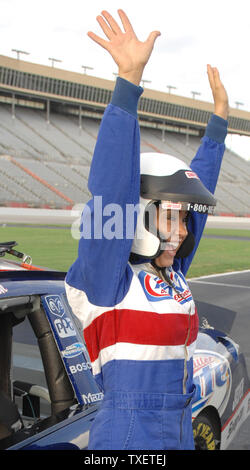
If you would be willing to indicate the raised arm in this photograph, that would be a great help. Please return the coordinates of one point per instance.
(207, 161)
(102, 269)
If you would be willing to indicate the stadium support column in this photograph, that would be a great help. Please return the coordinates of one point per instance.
(13, 110)
(163, 131)
(48, 111)
(80, 118)
(187, 136)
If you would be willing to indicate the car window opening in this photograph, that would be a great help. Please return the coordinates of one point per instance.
(21, 410)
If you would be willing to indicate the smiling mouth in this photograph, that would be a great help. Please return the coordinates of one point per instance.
(171, 248)
(171, 252)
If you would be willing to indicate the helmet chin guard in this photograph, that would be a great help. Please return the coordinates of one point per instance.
(146, 243)
(168, 181)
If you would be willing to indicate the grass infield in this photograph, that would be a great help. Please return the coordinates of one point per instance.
(56, 249)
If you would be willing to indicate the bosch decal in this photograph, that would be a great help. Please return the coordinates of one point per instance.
(80, 367)
(213, 380)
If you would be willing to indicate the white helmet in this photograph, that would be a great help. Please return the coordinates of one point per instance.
(167, 180)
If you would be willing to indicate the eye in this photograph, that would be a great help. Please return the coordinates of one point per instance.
(171, 217)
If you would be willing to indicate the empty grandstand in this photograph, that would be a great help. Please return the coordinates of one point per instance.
(49, 120)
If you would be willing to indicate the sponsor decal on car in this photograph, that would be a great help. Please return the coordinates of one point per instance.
(64, 327)
(73, 350)
(71, 346)
(238, 394)
(80, 367)
(213, 380)
(55, 305)
(92, 397)
(62, 324)
(233, 424)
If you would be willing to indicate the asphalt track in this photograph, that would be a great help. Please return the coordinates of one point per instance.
(230, 291)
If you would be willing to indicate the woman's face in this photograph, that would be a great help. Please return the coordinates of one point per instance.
(173, 229)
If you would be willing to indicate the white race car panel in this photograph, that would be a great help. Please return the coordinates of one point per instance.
(213, 380)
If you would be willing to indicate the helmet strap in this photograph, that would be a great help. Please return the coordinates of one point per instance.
(187, 246)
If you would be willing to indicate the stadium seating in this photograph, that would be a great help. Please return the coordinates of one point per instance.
(46, 164)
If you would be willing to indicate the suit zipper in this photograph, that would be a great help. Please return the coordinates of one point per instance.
(160, 272)
(185, 373)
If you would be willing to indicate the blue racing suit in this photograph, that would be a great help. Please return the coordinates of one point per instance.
(140, 332)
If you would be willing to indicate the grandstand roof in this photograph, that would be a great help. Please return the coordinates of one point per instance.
(90, 95)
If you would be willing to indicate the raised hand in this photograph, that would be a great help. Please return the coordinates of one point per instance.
(221, 106)
(130, 54)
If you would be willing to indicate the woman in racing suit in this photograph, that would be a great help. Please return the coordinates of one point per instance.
(138, 315)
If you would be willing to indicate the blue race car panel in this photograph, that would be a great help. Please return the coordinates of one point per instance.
(72, 349)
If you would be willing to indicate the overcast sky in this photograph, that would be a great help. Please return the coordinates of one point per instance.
(193, 33)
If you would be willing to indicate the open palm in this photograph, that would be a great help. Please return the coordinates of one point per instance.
(130, 54)
(221, 105)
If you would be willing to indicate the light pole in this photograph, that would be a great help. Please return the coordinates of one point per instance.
(194, 94)
(86, 67)
(18, 52)
(170, 87)
(53, 60)
(145, 81)
(238, 104)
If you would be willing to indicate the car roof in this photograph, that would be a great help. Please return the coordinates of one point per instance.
(19, 283)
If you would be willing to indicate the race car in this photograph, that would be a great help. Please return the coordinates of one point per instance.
(222, 399)
(48, 395)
